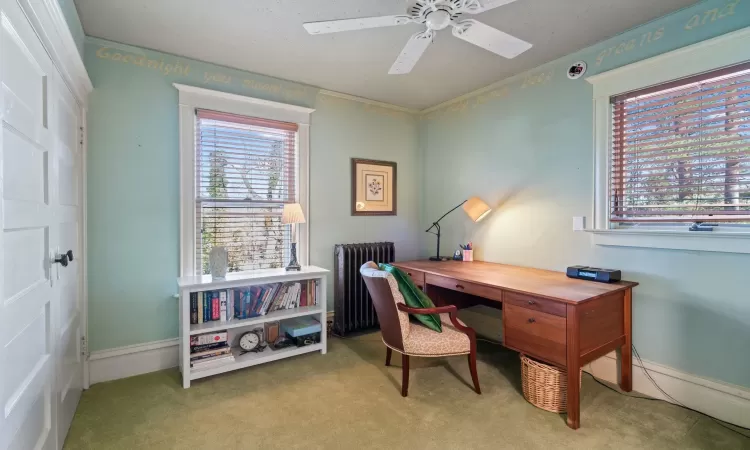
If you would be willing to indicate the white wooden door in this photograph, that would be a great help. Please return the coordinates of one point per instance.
(65, 196)
(40, 326)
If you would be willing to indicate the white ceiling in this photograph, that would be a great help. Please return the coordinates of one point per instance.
(266, 37)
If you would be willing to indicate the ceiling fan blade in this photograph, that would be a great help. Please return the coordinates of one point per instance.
(411, 53)
(490, 38)
(335, 26)
(480, 6)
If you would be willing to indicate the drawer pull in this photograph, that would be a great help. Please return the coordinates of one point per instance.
(532, 302)
(532, 320)
(408, 273)
(458, 286)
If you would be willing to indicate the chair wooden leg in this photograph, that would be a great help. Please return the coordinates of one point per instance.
(473, 369)
(388, 352)
(405, 375)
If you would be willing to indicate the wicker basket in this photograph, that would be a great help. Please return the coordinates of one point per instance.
(544, 386)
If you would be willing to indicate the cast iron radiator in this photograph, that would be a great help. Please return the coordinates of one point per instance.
(352, 305)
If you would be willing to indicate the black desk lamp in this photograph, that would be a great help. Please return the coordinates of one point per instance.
(474, 207)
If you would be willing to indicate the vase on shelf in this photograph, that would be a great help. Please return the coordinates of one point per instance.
(218, 261)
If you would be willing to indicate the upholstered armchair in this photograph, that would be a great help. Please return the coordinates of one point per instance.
(414, 339)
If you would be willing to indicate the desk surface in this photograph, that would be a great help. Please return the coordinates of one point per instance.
(542, 283)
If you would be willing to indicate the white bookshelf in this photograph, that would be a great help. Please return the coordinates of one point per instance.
(188, 285)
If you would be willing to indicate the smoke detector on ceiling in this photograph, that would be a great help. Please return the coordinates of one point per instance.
(577, 70)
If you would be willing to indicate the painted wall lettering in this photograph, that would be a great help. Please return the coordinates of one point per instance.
(458, 106)
(293, 94)
(495, 94)
(712, 15)
(261, 86)
(215, 77)
(629, 45)
(537, 78)
(176, 68)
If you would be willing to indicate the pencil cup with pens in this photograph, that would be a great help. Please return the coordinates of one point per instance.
(468, 251)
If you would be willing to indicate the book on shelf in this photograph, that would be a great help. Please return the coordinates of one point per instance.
(223, 306)
(204, 347)
(210, 354)
(193, 307)
(208, 338)
(213, 362)
(251, 301)
(209, 350)
(215, 311)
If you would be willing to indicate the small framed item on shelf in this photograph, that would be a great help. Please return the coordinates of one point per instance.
(271, 331)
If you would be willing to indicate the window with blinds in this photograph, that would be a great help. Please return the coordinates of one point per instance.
(681, 151)
(245, 170)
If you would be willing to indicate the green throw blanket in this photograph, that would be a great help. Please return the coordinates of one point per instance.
(414, 297)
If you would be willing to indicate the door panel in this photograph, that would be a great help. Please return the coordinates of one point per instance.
(25, 71)
(25, 169)
(67, 168)
(24, 259)
(28, 416)
(34, 432)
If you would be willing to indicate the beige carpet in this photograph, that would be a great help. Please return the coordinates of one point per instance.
(348, 399)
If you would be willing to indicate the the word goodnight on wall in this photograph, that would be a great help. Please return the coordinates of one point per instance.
(140, 60)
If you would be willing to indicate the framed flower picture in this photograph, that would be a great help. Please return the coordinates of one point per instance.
(373, 188)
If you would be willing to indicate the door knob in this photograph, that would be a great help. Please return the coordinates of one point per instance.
(69, 254)
(62, 260)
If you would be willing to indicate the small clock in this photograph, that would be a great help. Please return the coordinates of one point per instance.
(251, 341)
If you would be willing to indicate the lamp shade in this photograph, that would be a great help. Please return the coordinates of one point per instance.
(476, 209)
(292, 214)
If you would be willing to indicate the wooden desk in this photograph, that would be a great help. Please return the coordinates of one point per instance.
(560, 320)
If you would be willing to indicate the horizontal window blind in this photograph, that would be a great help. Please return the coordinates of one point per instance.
(681, 151)
(245, 171)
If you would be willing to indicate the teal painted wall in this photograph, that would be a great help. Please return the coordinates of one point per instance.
(133, 181)
(526, 145)
(74, 22)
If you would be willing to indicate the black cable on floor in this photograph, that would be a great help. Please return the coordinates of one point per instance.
(726, 425)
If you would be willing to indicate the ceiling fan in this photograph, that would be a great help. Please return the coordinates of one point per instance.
(436, 15)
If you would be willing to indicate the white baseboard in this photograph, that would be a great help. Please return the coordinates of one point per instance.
(123, 362)
(727, 402)
(721, 400)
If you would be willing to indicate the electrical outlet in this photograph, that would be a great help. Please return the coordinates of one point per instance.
(579, 223)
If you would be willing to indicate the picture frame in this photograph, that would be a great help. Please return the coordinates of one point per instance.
(374, 187)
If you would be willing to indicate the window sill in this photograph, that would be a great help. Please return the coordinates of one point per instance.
(704, 241)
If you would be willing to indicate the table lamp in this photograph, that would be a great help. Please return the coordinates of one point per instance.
(474, 207)
(293, 215)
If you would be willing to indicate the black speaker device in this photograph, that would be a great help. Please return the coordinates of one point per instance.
(594, 274)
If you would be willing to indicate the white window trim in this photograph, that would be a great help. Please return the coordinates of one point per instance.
(722, 51)
(192, 98)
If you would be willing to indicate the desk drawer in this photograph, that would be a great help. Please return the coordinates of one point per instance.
(535, 303)
(464, 286)
(416, 276)
(536, 333)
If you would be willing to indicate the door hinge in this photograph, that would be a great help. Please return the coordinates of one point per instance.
(81, 134)
(84, 347)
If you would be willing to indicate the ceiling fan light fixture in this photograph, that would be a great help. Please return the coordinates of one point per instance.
(438, 20)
